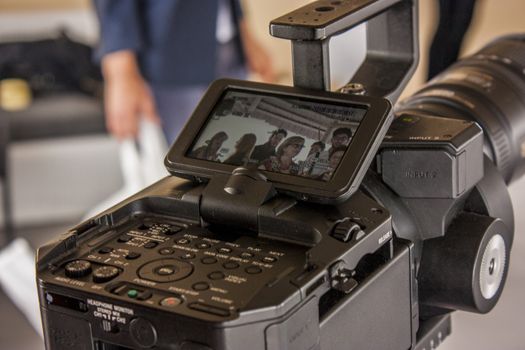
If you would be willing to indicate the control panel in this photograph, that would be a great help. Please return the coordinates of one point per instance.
(179, 268)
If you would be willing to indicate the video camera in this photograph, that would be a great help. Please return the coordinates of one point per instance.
(309, 219)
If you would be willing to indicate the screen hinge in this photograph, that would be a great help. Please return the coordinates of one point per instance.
(245, 201)
(235, 199)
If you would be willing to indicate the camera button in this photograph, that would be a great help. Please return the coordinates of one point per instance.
(133, 255)
(208, 260)
(166, 251)
(120, 290)
(166, 270)
(124, 238)
(187, 256)
(133, 293)
(253, 270)
(78, 268)
(346, 230)
(230, 265)
(105, 274)
(201, 286)
(360, 234)
(170, 302)
(105, 250)
(151, 245)
(144, 295)
(216, 275)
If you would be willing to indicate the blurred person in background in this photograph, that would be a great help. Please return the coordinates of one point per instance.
(158, 57)
(454, 21)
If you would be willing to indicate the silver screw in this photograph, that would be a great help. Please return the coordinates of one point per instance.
(353, 88)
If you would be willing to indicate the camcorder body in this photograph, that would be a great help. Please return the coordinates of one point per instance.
(349, 225)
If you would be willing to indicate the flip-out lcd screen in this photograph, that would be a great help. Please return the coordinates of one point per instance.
(313, 145)
(277, 133)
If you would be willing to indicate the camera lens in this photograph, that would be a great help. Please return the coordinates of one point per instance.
(489, 88)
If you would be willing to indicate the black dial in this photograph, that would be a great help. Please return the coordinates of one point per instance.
(104, 274)
(78, 268)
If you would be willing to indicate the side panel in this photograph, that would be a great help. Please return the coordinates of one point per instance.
(64, 332)
(377, 315)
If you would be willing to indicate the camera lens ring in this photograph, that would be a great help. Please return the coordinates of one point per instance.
(488, 88)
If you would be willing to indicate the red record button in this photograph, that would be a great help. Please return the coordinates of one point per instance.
(170, 302)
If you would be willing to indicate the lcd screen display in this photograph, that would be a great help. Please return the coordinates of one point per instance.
(277, 133)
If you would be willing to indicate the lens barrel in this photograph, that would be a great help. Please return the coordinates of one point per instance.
(489, 88)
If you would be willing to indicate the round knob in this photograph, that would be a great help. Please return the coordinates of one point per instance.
(143, 332)
(78, 268)
(104, 274)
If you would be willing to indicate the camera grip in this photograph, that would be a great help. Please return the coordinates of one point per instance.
(392, 45)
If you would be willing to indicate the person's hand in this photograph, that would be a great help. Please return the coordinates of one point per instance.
(258, 59)
(127, 95)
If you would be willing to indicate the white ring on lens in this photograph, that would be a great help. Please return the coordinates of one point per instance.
(492, 267)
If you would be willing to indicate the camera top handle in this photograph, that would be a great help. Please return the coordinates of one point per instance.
(392, 42)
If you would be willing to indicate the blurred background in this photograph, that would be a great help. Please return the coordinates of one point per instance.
(58, 164)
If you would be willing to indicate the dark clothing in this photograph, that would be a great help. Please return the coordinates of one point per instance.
(176, 103)
(237, 159)
(204, 152)
(454, 20)
(177, 49)
(175, 40)
(262, 152)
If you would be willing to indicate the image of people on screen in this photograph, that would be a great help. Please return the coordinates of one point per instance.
(210, 150)
(267, 149)
(283, 161)
(276, 134)
(316, 148)
(335, 155)
(318, 163)
(243, 149)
